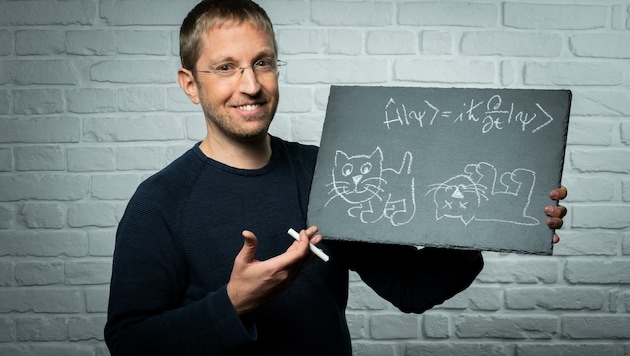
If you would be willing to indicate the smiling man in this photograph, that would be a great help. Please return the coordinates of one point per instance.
(203, 264)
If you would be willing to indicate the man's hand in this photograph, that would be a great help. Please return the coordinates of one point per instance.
(556, 212)
(254, 283)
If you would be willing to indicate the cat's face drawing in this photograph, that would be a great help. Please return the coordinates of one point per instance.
(357, 179)
(458, 197)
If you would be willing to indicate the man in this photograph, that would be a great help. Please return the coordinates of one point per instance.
(203, 264)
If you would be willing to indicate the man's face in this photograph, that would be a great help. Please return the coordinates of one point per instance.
(240, 106)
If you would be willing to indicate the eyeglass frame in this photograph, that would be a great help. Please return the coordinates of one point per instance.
(279, 63)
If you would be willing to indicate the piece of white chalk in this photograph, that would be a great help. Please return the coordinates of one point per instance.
(315, 250)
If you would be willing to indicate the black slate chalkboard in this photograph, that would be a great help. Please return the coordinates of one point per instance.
(445, 167)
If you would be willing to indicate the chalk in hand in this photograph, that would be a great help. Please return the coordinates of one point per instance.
(314, 249)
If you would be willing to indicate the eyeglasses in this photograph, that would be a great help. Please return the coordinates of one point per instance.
(262, 68)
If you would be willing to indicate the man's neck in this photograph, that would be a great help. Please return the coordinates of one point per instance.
(244, 154)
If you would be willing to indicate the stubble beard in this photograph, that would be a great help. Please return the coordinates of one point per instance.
(231, 128)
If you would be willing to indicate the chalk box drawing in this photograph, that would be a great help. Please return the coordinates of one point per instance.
(444, 167)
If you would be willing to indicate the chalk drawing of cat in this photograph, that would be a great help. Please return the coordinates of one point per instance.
(362, 182)
(480, 195)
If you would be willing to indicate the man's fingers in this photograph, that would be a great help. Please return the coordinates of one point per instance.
(559, 193)
(249, 247)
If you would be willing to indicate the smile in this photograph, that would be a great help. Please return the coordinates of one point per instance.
(248, 107)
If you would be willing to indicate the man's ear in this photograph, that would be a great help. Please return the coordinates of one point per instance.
(188, 84)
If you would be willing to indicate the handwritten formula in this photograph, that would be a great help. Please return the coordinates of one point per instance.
(491, 114)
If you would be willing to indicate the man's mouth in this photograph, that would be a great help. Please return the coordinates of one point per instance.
(248, 107)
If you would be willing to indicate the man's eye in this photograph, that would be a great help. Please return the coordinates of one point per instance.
(263, 63)
(224, 68)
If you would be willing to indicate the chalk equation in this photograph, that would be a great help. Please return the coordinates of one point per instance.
(491, 114)
(471, 195)
(363, 182)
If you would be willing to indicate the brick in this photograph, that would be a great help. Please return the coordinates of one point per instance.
(40, 158)
(296, 100)
(43, 187)
(548, 16)
(143, 158)
(475, 298)
(357, 71)
(357, 325)
(336, 13)
(625, 133)
(42, 328)
(391, 42)
(458, 348)
(608, 103)
(441, 13)
(41, 300)
(307, 128)
(143, 42)
(394, 326)
(43, 216)
(39, 42)
(176, 100)
(46, 12)
(6, 160)
(43, 244)
(601, 216)
(298, 41)
(437, 42)
(156, 127)
(608, 160)
(345, 42)
(372, 349)
(596, 45)
(362, 297)
(144, 12)
(141, 99)
(146, 71)
(7, 274)
(574, 348)
(592, 132)
(114, 187)
(597, 271)
(102, 242)
(47, 349)
(517, 44)
(96, 299)
(444, 71)
(281, 126)
(589, 189)
(38, 101)
(558, 298)
(50, 71)
(584, 243)
(564, 73)
(86, 328)
(90, 159)
(40, 130)
(88, 272)
(39, 273)
(6, 43)
(6, 216)
(436, 325)
(7, 330)
(99, 214)
(625, 190)
(506, 326)
(87, 101)
(519, 270)
(5, 101)
(596, 327)
(91, 42)
(287, 12)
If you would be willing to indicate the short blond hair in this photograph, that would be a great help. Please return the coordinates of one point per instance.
(210, 13)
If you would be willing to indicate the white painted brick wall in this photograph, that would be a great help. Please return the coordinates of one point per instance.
(89, 107)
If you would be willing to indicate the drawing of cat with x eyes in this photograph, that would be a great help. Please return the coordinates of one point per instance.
(362, 182)
(480, 195)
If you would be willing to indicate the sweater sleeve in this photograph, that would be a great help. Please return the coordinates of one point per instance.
(414, 280)
(147, 314)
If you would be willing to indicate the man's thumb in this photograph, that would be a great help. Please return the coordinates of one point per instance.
(249, 247)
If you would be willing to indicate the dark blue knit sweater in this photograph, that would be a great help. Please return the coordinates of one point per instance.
(177, 241)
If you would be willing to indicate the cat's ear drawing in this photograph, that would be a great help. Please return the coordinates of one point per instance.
(340, 154)
(378, 152)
